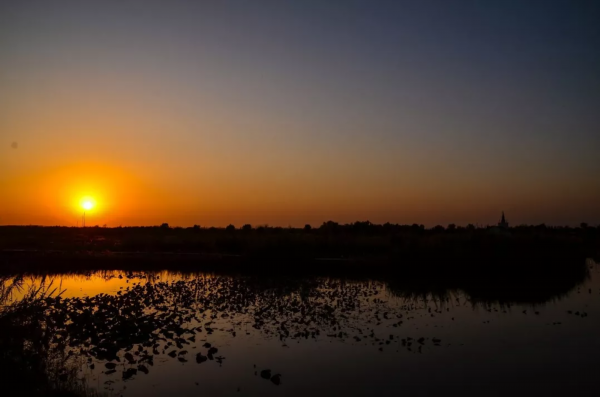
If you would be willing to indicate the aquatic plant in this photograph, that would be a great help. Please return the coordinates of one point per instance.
(29, 362)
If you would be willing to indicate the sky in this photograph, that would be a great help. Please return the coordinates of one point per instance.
(293, 112)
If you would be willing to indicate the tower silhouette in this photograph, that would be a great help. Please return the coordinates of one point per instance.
(503, 224)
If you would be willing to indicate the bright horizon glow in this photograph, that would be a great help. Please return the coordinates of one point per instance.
(87, 203)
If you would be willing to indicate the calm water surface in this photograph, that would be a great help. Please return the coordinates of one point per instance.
(322, 336)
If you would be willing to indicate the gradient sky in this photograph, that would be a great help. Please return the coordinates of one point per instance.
(293, 112)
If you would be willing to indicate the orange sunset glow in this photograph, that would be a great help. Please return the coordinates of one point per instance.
(244, 129)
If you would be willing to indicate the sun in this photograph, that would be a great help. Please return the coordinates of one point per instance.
(87, 203)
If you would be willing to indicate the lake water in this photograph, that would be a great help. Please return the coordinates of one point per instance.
(322, 336)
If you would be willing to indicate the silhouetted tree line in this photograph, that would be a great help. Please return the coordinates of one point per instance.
(331, 239)
(329, 226)
(366, 227)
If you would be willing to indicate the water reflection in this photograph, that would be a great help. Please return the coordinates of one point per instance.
(143, 333)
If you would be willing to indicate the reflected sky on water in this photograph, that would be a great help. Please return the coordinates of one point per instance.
(323, 336)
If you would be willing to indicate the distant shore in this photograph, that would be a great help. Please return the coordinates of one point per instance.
(359, 248)
(516, 264)
(20, 260)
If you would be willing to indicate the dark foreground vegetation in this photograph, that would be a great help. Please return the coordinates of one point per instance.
(31, 363)
(46, 340)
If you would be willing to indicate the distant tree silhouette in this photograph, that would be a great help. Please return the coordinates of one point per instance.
(164, 226)
(361, 226)
(452, 227)
(230, 228)
(583, 225)
(330, 226)
(196, 227)
(247, 227)
(307, 228)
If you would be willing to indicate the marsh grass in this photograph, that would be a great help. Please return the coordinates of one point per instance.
(30, 364)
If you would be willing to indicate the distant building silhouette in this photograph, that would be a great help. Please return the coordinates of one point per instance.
(503, 224)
